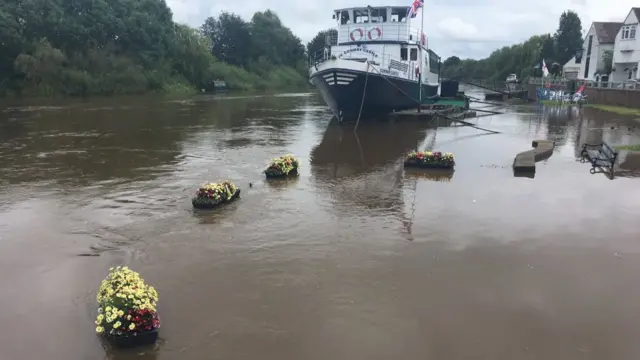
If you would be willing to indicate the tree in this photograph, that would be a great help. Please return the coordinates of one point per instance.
(230, 38)
(568, 37)
(192, 55)
(85, 47)
(548, 51)
(274, 41)
(522, 59)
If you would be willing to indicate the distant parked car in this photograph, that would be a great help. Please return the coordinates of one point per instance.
(512, 78)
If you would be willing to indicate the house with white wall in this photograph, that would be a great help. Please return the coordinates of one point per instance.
(626, 55)
(600, 39)
(571, 69)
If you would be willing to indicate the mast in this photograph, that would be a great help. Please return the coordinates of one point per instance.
(421, 54)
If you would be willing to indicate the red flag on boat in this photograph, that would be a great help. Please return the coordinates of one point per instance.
(581, 88)
(412, 11)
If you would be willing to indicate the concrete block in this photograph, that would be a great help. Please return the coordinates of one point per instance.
(525, 162)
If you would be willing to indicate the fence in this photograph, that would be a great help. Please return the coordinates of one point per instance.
(627, 85)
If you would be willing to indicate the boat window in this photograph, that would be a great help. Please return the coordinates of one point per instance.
(434, 60)
(378, 15)
(361, 16)
(403, 53)
(398, 14)
(414, 54)
(344, 18)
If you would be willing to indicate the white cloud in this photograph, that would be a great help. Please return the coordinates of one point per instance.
(456, 29)
(465, 28)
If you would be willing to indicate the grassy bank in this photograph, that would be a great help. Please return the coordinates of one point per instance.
(635, 147)
(615, 109)
(278, 77)
(129, 82)
(550, 102)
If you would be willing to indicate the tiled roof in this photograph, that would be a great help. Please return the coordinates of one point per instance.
(637, 12)
(606, 31)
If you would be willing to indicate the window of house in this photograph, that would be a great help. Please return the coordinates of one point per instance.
(628, 32)
(403, 53)
(414, 54)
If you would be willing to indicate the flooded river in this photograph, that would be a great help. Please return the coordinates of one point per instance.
(355, 259)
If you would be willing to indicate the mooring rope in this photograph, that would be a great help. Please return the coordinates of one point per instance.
(364, 92)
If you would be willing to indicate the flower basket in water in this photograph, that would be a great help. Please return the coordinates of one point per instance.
(212, 195)
(440, 175)
(283, 166)
(429, 160)
(127, 309)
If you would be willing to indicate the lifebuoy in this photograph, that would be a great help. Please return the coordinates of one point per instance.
(374, 33)
(360, 34)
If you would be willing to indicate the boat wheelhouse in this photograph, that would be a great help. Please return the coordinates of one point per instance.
(375, 63)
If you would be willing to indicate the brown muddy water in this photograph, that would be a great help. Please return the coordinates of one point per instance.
(355, 259)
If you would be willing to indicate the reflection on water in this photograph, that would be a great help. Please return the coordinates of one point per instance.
(317, 266)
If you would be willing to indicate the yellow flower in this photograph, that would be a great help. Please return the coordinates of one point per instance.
(117, 324)
(132, 326)
(108, 308)
(99, 329)
(100, 317)
(128, 317)
(121, 313)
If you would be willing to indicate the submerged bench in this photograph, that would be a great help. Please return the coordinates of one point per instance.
(524, 164)
(600, 156)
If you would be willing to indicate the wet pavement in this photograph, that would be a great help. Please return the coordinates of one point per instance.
(355, 259)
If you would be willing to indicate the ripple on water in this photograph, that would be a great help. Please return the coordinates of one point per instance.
(329, 247)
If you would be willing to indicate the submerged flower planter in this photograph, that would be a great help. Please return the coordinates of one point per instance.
(282, 167)
(433, 174)
(212, 195)
(127, 314)
(430, 160)
(127, 341)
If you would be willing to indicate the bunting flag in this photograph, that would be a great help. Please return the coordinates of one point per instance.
(412, 11)
(545, 71)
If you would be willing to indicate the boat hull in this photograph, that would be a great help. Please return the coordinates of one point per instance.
(342, 90)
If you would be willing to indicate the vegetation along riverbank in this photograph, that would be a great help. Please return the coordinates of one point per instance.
(524, 58)
(59, 47)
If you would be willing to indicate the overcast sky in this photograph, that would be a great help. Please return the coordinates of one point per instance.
(465, 28)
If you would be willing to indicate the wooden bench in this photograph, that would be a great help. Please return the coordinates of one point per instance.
(600, 156)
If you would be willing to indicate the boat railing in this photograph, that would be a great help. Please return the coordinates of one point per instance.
(385, 63)
(378, 32)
